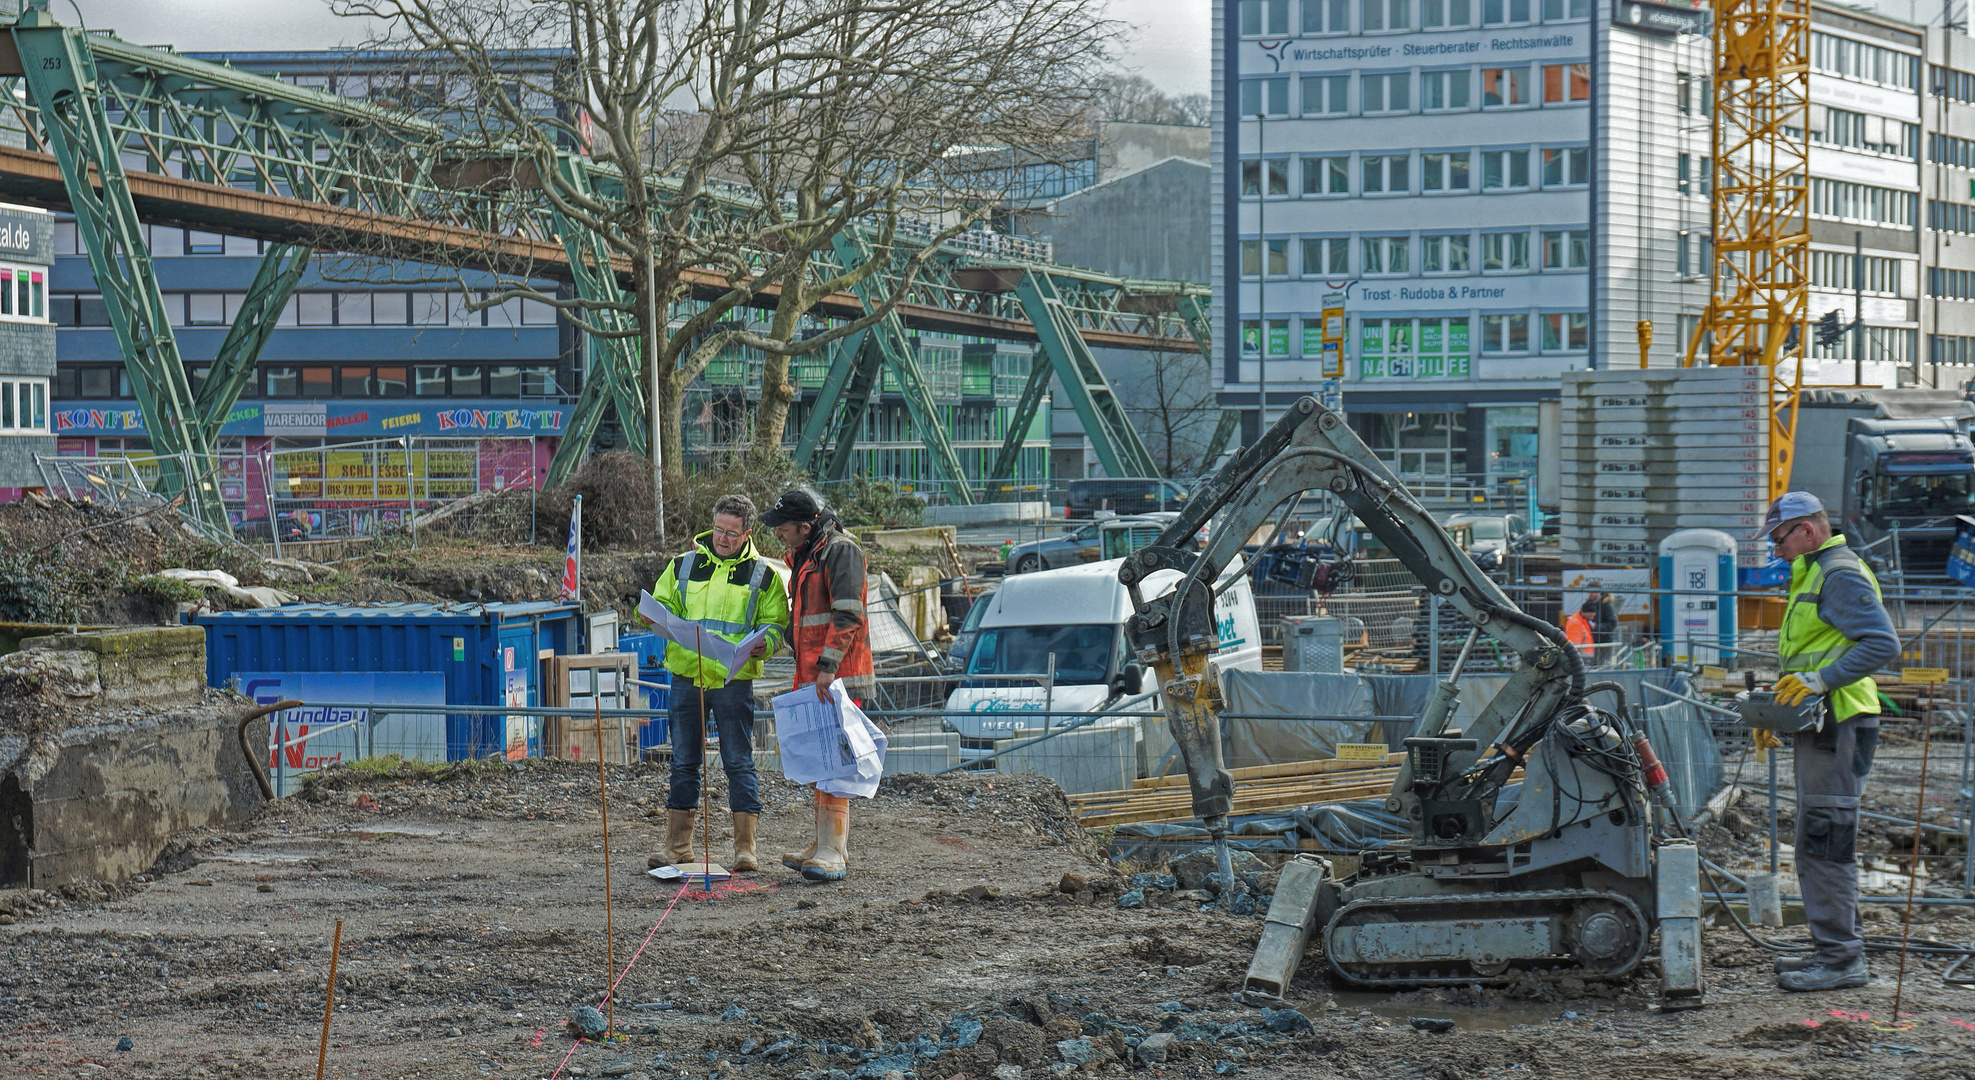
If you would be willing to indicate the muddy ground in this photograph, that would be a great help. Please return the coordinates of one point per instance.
(473, 924)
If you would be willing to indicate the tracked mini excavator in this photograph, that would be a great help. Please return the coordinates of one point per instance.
(1570, 877)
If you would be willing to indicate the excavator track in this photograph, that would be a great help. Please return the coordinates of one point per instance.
(1485, 937)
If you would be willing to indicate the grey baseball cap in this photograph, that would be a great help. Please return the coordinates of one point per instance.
(1788, 507)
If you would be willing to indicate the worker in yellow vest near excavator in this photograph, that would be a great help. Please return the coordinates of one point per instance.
(1835, 634)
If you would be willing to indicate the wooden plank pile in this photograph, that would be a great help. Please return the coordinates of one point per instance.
(1257, 790)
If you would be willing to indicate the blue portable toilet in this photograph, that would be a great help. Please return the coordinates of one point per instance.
(484, 655)
(1697, 597)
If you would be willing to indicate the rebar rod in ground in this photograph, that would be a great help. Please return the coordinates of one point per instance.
(609, 931)
(329, 1001)
(1913, 871)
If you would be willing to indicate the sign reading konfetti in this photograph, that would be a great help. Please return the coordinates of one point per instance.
(500, 419)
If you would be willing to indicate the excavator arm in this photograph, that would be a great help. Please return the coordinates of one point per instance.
(1312, 449)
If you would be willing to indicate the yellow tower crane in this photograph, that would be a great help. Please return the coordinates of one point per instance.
(1761, 153)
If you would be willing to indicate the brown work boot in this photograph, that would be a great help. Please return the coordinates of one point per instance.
(794, 859)
(831, 860)
(678, 837)
(744, 859)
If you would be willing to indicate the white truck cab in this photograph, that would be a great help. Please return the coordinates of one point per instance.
(1077, 613)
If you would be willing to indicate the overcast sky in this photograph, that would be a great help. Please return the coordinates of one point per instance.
(1168, 42)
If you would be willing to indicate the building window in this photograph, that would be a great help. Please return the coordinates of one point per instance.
(428, 380)
(1564, 83)
(1879, 134)
(1251, 337)
(1953, 85)
(1384, 93)
(23, 405)
(1275, 171)
(1839, 270)
(1504, 251)
(1413, 348)
(205, 309)
(1566, 166)
(1385, 14)
(1559, 10)
(1326, 255)
(1683, 254)
(1950, 217)
(1326, 95)
(1502, 12)
(1444, 171)
(1385, 174)
(1504, 86)
(1254, 251)
(23, 294)
(1566, 331)
(1504, 169)
(1264, 17)
(1326, 16)
(315, 308)
(1446, 90)
(1445, 14)
(1862, 202)
(1265, 97)
(1949, 150)
(204, 243)
(1869, 63)
(1384, 255)
(1327, 176)
(1566, 249)
(1504, 333)
(1949, 349)
(1444, 254)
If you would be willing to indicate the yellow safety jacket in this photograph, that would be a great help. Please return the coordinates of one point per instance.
(730, 597)
(1807, 642)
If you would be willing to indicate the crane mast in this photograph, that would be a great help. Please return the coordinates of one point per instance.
(1759, 207)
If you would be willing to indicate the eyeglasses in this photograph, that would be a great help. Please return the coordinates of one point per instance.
(1778, 538)
(729, 534)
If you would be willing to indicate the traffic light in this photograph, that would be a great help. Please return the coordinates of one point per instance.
(1829, 331)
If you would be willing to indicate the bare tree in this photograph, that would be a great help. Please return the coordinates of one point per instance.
(736, 146)
(1172, 397)
(1136, 99)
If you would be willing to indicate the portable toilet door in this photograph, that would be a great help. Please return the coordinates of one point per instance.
(1697, 597)
(520, 733)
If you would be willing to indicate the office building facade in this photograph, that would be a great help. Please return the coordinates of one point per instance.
(1474, 197)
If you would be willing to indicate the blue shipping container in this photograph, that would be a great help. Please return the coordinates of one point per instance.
(488, 654)
(650, 649)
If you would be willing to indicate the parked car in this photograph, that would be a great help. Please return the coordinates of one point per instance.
(1084, 544)
(1122, 496)
(1493, 534)
(962, 648)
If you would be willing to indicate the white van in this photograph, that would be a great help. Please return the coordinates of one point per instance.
(1078, 613)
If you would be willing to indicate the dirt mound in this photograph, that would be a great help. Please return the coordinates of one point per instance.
(82, 562)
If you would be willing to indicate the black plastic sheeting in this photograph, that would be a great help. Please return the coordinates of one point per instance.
(1677, 730)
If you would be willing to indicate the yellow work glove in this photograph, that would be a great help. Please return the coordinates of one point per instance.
(1793, 688)
(1765, 740)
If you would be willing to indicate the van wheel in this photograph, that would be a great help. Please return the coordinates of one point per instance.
(1028, 563)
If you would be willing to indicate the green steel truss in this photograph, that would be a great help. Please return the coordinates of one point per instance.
(1111, 434)
(274, 282)
(106, 108)
(614, 374)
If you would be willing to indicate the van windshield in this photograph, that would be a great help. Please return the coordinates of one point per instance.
(1083, 653)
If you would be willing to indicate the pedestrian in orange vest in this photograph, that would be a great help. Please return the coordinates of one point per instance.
(831, 641)
(1578, 628)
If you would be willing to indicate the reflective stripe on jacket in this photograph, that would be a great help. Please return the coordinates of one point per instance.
(1807, 642)
(830, 632)
(725, 596)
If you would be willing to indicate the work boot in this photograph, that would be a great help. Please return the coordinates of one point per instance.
(794, 859)
(1823, 977)
(832, 838)
(1797, 962)
(744, 859)
(678, 837)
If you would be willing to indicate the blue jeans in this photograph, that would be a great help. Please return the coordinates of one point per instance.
(732, 710)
